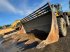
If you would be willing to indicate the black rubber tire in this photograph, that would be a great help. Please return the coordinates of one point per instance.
(62, 26)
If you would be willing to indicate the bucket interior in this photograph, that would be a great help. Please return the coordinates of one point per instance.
(39, 26)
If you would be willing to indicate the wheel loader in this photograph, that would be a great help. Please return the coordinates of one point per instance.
(44, 25)
(47, 24)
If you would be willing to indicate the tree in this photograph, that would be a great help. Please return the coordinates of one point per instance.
(0, 27)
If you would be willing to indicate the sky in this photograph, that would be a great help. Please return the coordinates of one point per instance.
(11, 10)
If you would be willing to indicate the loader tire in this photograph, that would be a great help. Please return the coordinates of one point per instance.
(62, 26)
(67, 20)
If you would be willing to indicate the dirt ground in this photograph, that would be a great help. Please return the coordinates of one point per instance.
(63, 45)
